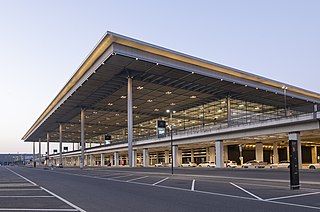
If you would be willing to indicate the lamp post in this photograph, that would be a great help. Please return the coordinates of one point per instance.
(171, 140)
(285, 88)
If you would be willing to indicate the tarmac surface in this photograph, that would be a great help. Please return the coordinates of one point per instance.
(155, 189)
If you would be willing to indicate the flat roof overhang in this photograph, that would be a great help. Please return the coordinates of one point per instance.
(102, 78)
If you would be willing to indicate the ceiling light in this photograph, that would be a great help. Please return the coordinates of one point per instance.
(245, 85)
(221, 79)
(157, 63)
(156, 109)
(241, 105)
(94, 112)
(110, 104)
(149, 100)
(256, 108)
(192, 72)
(139, 87)
(134, 107)
(172, 104)
(193, 97)
(168, 111)
(223, 102)
(117, 114)
(168, 92)
(123, 97)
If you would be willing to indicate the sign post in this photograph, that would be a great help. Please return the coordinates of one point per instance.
(294, 167)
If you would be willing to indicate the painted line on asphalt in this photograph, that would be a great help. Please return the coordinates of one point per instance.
(35, 209)
(64, 200)
(53, 194)
(248, 192)
(160, 181)
(120, 176)
(292, 196)
(25, 196)
(196, 191)
(20, 189)
(192, 185)
(137, 178)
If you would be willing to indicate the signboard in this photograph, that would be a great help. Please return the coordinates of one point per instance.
(294, 166)
(161, 128)
(107, 139)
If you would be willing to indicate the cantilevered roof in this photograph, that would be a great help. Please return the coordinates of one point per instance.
(99, 86)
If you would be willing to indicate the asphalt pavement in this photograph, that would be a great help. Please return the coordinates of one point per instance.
(155, 189)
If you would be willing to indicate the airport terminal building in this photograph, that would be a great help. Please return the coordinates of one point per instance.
(133, 103)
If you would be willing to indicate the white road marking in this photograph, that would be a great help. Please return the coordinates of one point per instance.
(35, 209)
(137, 178)
(53, 194)
(192, 185)
(20, 189)
(160, 181)
(291, 196)
(120, 176)
(195, 191)
(64, 200)
(25, 196)
(248, 192)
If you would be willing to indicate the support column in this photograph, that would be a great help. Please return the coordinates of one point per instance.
(111, 160)
(212, 157)
(275, 153)
(134, 158)
(145, 158)
(228, 110)
(259, 151)
(192, 156)
(179, 157)
(34, 154)
(175, 156)
(82, 138)
(314, 154)
(102, 159)
(296, 137)
(219, 154)
(130, 121)
(225, 153)
(166, 156)
(48, 148)
(288, 153)
(116, 159)
(91, 160)
(39, 151)
(60, 139)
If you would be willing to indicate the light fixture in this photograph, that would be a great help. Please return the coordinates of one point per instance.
(168, 92)
(110, 104)
(172, 104)
(223, 102)
(117, 114)
(168, 111)
(156, 109)
(193, 97)
(241, 105)
(245, 85)
(149, 100)
(256, 108)
(123, 97)
(221, 79)
(94, 112)
(139, 87)
(157, 63)
(134, 107)
(192, 72)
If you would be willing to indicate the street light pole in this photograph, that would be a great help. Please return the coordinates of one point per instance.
(171, 140)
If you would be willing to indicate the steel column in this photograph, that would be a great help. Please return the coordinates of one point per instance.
(130, 121)
(60, 145)
(39, 151)
(48, 147)
(82, 138)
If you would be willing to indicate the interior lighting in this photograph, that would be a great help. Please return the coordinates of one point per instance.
(156, 109)
(139, 87)
(193, 97)
(241, 105)
(157, 64)
(256, 108)
(172, 104)
(110, 104)
(137, 58)
(168, 111)
(223, 102)
(192, 72)
(149, 100)
(221, 79)
(168, 92)
(257, 88)
(245, 85)
(134, 107)
(123, 97)
(94, 112)
(117, 114)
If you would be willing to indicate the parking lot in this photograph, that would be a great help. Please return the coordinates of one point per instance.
(146, 189)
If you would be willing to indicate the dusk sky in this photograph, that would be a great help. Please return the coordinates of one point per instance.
(42, 43)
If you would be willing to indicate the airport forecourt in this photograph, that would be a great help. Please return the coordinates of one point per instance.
(131, 103)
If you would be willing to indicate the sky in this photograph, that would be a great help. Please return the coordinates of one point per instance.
(42, 43)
